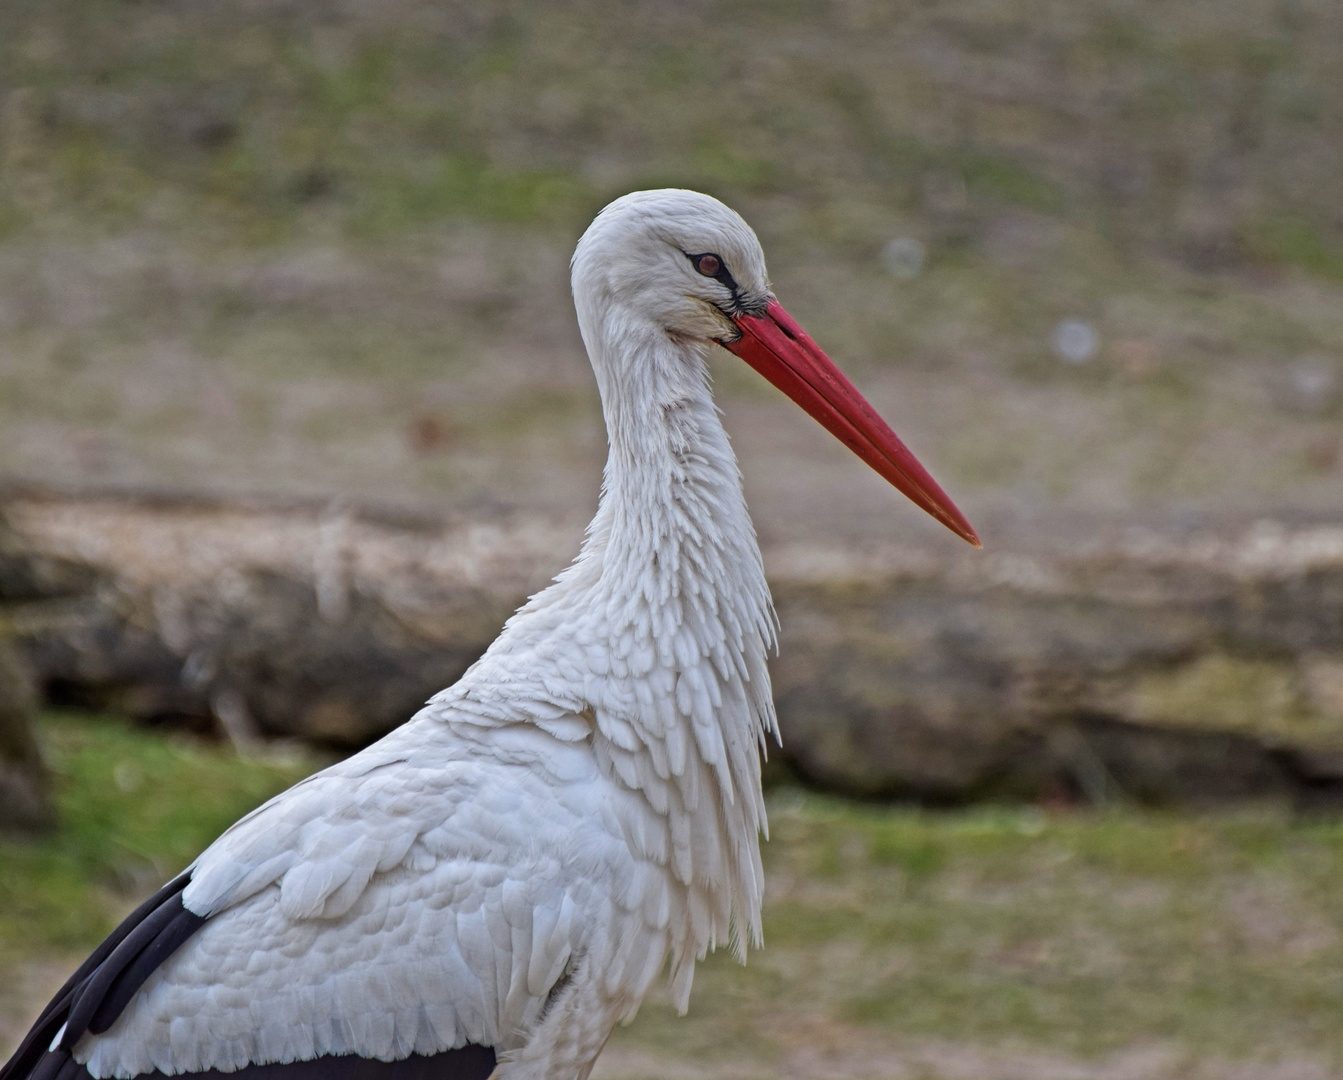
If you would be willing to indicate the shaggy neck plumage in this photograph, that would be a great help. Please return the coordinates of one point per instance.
(652, 644)
(672, 520)
(670, 575)
(672, 556)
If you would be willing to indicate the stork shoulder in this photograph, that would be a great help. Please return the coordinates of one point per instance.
(426, 893)
(425, 792)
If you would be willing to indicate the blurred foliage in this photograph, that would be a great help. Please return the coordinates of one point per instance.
(135, 808)
(1207, 130)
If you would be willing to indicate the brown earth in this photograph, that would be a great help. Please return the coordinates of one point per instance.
(320, 249)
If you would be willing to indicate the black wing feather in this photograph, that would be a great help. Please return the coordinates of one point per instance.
(468, 1062)
(119, 993)
(53, 1065)
(92, 996)
(36, 1042)
(69, 1069)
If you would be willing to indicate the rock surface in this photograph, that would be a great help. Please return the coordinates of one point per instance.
(317, 624)
(1205, 670)
(1208, 668)
(26, 577)
(25, 790)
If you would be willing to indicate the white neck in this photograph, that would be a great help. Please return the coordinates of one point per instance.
(671, 529)
(658, 632)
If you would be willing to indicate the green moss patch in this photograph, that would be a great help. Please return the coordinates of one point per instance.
(135, 808)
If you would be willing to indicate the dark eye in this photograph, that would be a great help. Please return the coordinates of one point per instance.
(711, 266)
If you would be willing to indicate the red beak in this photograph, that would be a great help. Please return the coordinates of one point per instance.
(781, 351)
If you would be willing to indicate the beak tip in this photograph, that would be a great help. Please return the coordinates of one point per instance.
(956, 522)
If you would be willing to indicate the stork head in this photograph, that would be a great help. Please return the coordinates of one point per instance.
(678, 258)
(690, 267)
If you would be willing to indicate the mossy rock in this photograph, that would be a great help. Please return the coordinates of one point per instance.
(25, 789)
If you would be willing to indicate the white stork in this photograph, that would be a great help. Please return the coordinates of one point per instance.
(497, 883)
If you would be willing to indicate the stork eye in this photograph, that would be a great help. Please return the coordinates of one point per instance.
(711, 265)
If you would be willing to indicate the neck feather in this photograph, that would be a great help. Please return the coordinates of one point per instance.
(653, 643)
(672, 521)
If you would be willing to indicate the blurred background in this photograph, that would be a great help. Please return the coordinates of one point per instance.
(294, 411)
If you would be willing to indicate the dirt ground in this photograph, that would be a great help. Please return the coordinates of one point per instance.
(324, 250)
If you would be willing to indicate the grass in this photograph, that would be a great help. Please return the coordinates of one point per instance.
(1079, 937)
(135, 808)
(898, 942)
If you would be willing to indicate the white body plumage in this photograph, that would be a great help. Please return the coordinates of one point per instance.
(514, 866)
